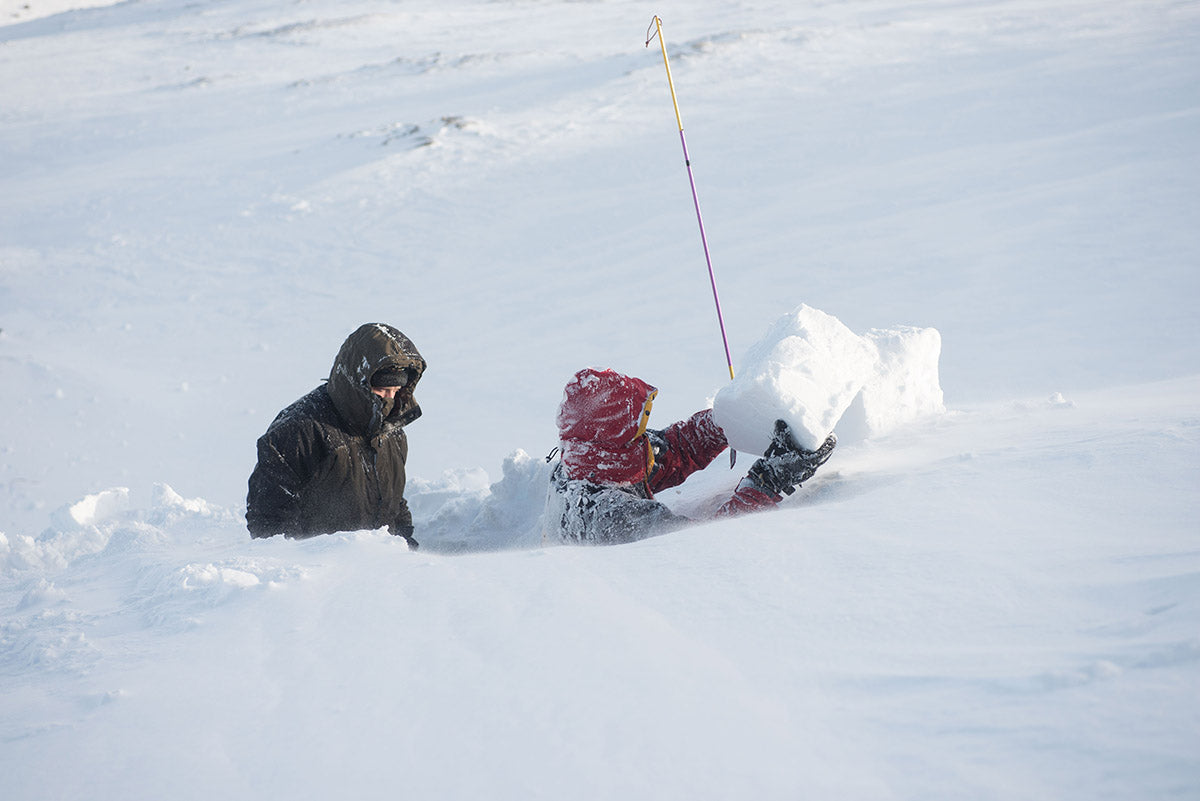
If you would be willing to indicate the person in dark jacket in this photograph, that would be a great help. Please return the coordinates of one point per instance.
(611, 464)
(334, 460)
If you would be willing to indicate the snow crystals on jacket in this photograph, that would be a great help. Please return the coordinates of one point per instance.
(335, 459)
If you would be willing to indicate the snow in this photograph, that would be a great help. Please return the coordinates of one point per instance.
(991, 591)
(21, 10)
(903, 387)
(809, 368)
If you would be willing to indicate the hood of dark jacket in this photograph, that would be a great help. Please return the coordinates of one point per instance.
(370, 348)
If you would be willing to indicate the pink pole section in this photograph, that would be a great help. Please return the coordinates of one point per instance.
(656, 24)
(712, 278)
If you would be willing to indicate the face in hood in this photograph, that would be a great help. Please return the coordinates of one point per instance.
(372, 347)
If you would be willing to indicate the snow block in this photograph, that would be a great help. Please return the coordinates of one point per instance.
(806, 369)
(905, 385)
(812, 371)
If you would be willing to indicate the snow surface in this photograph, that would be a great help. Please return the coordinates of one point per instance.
(22, 10)
(199, 201)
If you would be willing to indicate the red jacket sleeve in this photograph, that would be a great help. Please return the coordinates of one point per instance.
(747, 498)
(692, 444)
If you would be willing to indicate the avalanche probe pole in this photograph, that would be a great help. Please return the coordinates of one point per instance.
(657, 25)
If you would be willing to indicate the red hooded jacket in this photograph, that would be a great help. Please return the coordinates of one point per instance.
(603, 440)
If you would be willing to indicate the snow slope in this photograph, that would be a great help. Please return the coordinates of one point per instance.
(199, 201)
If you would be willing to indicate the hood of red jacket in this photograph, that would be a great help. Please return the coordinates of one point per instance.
(601, 427)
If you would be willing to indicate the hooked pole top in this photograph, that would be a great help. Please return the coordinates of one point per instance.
(656, 25)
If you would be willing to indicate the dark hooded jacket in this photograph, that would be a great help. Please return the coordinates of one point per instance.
(334, 460)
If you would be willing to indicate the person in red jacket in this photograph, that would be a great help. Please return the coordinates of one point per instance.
(611, 463)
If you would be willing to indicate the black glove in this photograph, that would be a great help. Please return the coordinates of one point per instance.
(785, 465)
(658, 443)
(658, 446)
(407, 533)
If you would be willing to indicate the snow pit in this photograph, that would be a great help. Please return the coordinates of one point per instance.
(812, 371)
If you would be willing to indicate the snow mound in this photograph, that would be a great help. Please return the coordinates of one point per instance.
(108, 521)
(507, 514)
(810, 370)
(92, 509)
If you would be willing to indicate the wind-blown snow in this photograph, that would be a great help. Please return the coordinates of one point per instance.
(991, 591)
